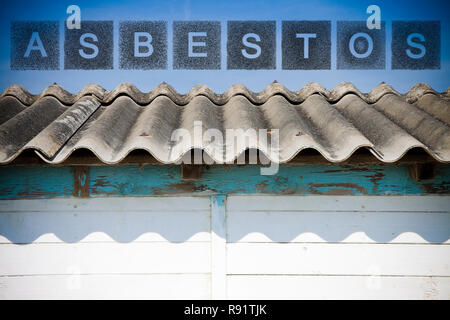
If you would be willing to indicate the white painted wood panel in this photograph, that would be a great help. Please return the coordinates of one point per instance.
(156, 286)
(338, 259)
(95, 226)
(278, 247)
(356, 227)
(105, 258)
(146, 204)
(152, 248)
(339, 203)
(218, 248)
(338, 247)
(337, 287)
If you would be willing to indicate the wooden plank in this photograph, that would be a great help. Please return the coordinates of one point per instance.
(105, 258)
(147, 204)
(351, 227)
(318, 180)
(166, 286)
(410, 203)
(81, 182)
(123, 226)
(338, 259)
(35, 182)
(338, 287)
(133, 180)
(218, 247)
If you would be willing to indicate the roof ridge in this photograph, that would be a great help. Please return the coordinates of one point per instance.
(164, 89)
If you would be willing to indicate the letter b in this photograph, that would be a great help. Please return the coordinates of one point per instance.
(142, 45)
(146, 43)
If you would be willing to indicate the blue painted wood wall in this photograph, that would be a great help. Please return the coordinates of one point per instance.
(17, 182)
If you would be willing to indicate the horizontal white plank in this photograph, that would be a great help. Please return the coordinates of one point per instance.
(105, 258)
(121, 226)
(338, 259)
(168, 286)
(361, 227)
(339, 203)
(337, 287)
(145, 204)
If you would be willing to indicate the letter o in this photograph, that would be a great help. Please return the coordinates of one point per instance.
(351, 45)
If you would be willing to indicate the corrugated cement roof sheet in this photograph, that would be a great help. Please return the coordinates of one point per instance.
(335, 123)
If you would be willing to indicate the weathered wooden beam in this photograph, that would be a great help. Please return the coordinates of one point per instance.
(134, 180)
(81, 182)
(422, 171)
(191, 172)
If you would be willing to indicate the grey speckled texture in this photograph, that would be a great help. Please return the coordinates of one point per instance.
(431, 30)
(104, 60)
(257, 98)
(181, 60)
(21, 32)
(293, 48)
(335, 123)
(266, 30)
(345, 59)
(158, 32)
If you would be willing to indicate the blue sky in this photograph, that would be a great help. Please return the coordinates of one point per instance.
(220, 80)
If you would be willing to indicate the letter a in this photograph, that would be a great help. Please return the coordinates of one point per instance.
(73, 21)
(39, 46)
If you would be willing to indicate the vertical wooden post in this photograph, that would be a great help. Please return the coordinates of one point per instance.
(81, 182)
(218, 248)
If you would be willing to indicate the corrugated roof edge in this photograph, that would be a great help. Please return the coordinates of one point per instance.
(85, 157)
(164, 89)
(403, 121)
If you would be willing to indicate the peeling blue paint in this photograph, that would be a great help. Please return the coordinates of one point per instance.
(218, 201)
(151, 180)
(35, 182)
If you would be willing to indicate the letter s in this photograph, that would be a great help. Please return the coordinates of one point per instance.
(251, 45)
(88, 45)
(416, 45)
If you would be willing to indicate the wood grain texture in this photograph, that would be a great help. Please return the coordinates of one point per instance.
(338, 287)
(134, 180)
(123, 286)
(361, 219)
(105, 258)
(348, 227)
(235, 246)
(338, 259)
(341, 203)
(112, 220)
(218, 247)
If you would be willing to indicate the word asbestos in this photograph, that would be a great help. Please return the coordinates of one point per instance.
(250, 45)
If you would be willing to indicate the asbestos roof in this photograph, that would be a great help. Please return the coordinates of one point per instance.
(335, 123)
